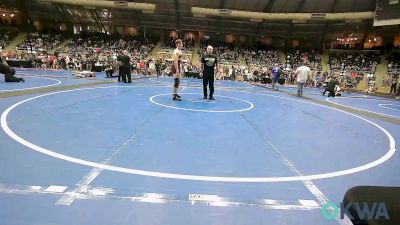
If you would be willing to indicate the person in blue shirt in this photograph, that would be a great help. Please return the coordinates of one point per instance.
(275, 74)
(318, 80)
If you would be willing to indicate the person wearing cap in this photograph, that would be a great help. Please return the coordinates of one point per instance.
(208, 64)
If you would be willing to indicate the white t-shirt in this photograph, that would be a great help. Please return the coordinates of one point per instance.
(152, 66)
(303, 72)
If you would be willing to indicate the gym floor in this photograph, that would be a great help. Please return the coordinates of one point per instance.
(93, 151)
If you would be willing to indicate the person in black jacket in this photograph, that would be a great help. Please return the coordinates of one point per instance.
(393, 83)
(330, 87)
(124, 69)
(158, 66)
(9, 73)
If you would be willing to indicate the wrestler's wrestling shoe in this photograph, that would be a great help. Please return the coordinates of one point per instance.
(176, 98)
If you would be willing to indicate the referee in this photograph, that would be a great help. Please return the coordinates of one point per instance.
(208, 63)
(124, 68)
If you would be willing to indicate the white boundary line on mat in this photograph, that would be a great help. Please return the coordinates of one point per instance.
(391, 151)
(23, 89)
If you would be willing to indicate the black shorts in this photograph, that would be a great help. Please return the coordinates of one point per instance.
(177, 82)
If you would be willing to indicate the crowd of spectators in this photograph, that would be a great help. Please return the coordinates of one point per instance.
(295, 57)
(188, 44)
(5, 38)
(361, 63)
(40, 42)
(261, 58)
(392, 78)
(394, 64)
(89, 50)
(226, 53)
(36, 60)
(86, 51)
